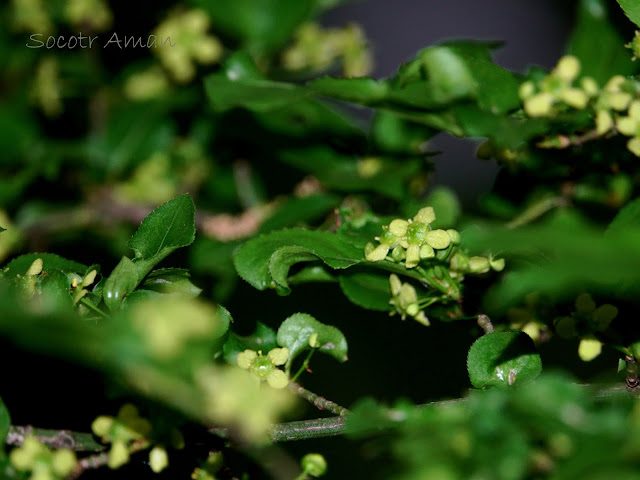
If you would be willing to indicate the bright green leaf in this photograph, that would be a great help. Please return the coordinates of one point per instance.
(631, 9)
(295, 331)
(503, 359)
(168, 227)
(627, 218)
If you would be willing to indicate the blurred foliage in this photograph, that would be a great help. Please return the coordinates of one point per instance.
(222, 137)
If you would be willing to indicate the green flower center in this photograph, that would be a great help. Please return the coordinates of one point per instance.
(416, 233)
(261, 366)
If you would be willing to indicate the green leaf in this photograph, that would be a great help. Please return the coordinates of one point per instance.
(263, 338)
(168, 227)
(503, 359)
(295, 331)
(627, 218)
(55, 287)
(282, 260)
(253, 259)
(122, 281)
(631, 9)
(396, 135)
(5, 423)
(171, 280)
(367, 290)
(597, 43)
(50, 261)
(365, 91)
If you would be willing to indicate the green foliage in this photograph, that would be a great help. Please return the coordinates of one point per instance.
(237, 149)
(502, 359)
(301, 332)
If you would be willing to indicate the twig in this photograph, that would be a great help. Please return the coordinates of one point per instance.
(633, 382)
(316, 400)
(566, 141)
(77, 441)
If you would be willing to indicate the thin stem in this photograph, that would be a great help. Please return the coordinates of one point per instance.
(316, 400)
(87, 303)
(304, 365)
(77, 441)
(535, 211)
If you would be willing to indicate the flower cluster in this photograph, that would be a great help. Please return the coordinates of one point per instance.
(615, 105)
(557, 89)
(89, 13)
(190, 43)
(43, 463)
(411, 240)
(317, 49)
(264, 366)
(584, 322)
(121, 432)
(405, 300)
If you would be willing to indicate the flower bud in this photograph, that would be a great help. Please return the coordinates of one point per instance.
(398, 254)
(604, 122)
(158, 459)
(63, 462)
(314, 464)
(589, 348)
(479, 265)
(604, 315)
(566, 327)
(567, 68)
(526, 90)
(416, 233)
(36, 267)
(454, 235)
(575, 98)
(589, 85)
(497, 264)
(539, 105)
(584, 303)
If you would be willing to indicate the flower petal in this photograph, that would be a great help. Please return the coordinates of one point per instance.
(246, 358)
(278, 379)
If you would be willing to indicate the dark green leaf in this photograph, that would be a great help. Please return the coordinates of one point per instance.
(366, 289)
(171, 280)
(342, 172)
(5, 423)
(264, 338)
(168, 227)
(298, 210)
(295, 331)
(597, 43)
(503, 359)
(3, 229)
(50, 261)
(253, 94)
(631, 9)
(627, 218)
(55, 287)
(394, 134)
(253, 259)
(315, 273)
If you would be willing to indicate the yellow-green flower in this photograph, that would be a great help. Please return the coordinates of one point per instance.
(411, 240)
(185, 42)
(557, 88)
(264, 367)
(630, 126)
(405, 300)
(120, 432)
(43, 463)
